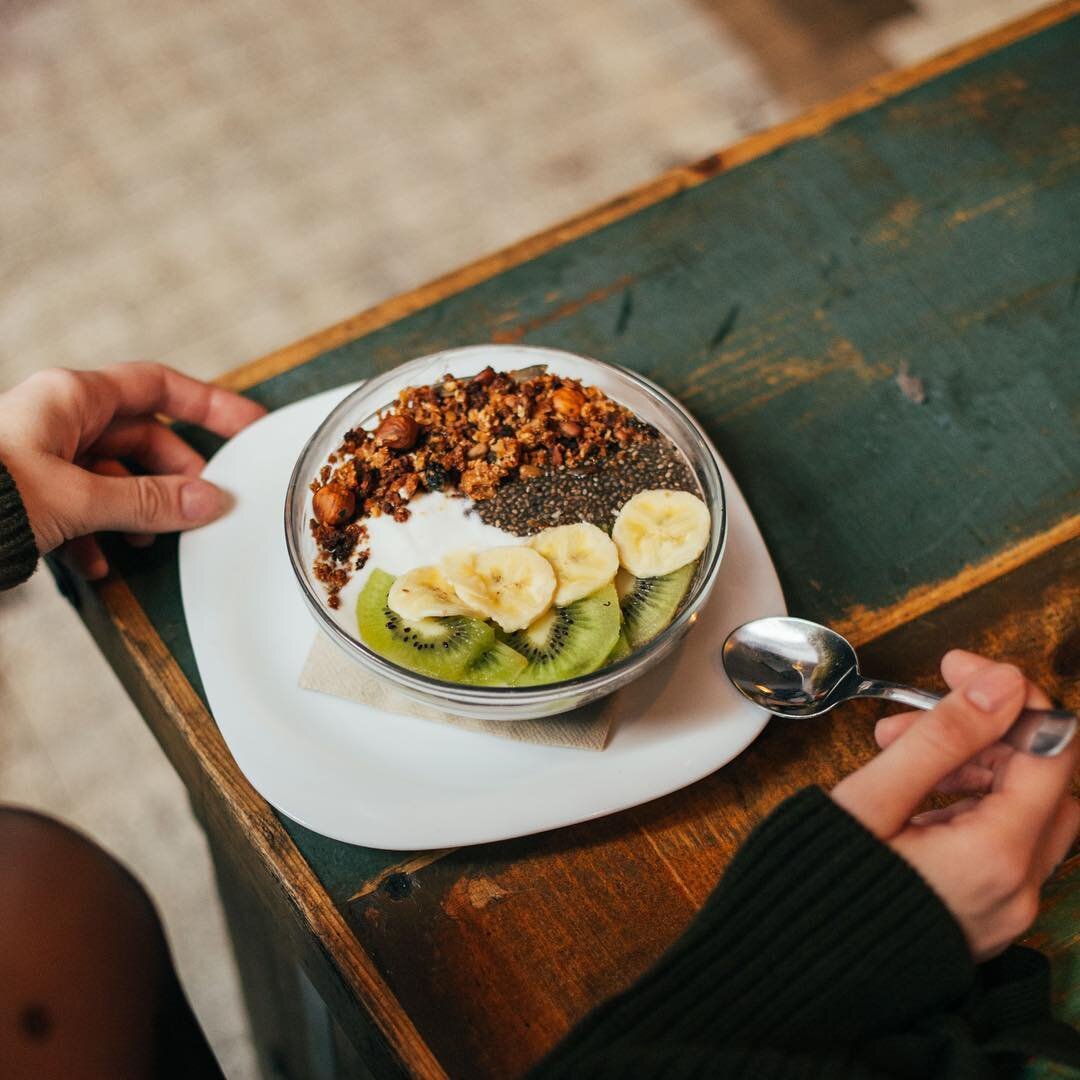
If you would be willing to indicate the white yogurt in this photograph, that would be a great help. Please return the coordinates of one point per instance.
(437, 525)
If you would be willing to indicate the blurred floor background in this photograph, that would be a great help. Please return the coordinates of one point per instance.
(203, 182)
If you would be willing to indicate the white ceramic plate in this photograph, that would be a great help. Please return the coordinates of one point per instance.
(381, 780)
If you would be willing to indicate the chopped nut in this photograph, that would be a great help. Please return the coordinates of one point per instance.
(482, 378)
(568, 402)
(334, 504)
(365, 481)
(398, 431)
(478, 451)
(570, 429)
(529, 472)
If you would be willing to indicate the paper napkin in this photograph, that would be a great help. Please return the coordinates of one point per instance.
(330, 671)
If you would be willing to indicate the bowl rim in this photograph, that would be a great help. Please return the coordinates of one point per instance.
(418, 683)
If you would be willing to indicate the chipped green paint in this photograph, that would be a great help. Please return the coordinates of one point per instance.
(779, 301)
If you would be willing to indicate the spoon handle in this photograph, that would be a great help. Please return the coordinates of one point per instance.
(1042, 732)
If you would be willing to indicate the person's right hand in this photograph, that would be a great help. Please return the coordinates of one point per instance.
(987, 855)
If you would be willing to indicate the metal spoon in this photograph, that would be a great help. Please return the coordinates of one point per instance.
(797, 668)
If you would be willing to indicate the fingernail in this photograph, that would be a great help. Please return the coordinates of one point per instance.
(993, 687)
(200, 500)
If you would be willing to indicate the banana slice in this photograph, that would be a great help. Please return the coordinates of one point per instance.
(583, 557)
(512, 585)
(656, 532)
(426, 593)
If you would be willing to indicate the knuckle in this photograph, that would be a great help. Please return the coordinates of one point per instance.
(142, 367)
(949, 731)
(58, 382)
(151, 500)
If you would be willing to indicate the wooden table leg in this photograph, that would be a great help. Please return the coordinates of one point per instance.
(295, 1036)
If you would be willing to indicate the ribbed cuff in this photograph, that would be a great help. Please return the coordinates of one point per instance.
(818, 935)
(18, 549)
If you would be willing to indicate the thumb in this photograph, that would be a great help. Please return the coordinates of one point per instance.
(144, 504)
(885, 792)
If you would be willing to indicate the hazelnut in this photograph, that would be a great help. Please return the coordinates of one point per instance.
(570, 429)
(398, 432)
(479, 450)
(334, 504)
(568, 402)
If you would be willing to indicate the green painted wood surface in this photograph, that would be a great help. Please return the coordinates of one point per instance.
(780, 300)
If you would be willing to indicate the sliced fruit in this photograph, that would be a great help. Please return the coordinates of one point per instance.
(659, 531)
(568, 641)
(583, 557)
(622, 649)
(510, 585)
(426, 593)
(442, 648)
(498, 665)
(649, 604)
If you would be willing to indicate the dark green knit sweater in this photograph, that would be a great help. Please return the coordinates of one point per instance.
(821, 954)
(18, 552)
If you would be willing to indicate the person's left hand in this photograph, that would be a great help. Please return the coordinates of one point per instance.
(64, 433)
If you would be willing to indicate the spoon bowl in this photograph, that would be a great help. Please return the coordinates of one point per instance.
(790, 666)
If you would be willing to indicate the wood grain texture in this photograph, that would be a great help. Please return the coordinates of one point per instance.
(779, 300)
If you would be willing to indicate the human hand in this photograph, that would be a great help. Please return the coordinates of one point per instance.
(63, 435)
(987, 855)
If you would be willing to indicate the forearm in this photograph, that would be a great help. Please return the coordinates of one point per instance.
(18, 549)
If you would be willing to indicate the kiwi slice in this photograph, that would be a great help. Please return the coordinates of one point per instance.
(498, 665)
(649, 604)
(568, 641)
(622, 649)
(441, 648)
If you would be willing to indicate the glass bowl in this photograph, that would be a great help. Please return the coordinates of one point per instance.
(360, 408)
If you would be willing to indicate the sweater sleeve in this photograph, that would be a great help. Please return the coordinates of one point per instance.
(18, 550)
(820, 953)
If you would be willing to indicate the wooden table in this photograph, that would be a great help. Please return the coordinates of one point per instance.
(927, 224)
